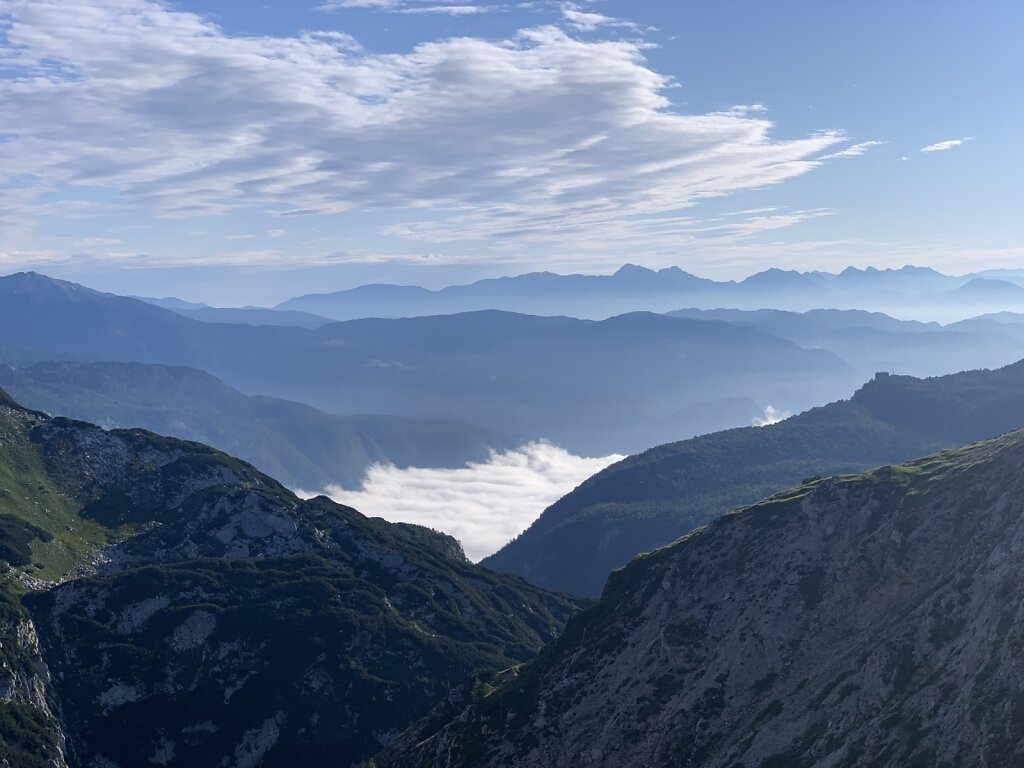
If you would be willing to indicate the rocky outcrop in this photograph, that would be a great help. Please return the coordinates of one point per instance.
(30, 732)
(862, 620)
(193, 611)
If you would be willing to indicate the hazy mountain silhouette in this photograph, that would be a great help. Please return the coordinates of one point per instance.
(633, 288)
(871, 341)
(299, 445)
(241, 315)
(648, 500)
(594, 387)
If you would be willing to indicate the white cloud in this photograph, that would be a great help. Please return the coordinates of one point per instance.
(943, 146)
(451, 10)
(276, 233)
(240, 237)
(483, 505)
(98, 241)
(772, 415)
(592, 234)
(499, 139)
(585, 21)
(338, 5)
(406, 6)
(854, 150)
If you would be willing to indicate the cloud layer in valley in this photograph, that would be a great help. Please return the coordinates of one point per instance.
(483, 505)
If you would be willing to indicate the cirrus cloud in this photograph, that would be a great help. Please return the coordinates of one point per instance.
(403, 6)
(854, 150)
(495, 138)
(943, 146)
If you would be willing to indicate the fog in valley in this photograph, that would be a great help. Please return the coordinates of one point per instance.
(484, 505)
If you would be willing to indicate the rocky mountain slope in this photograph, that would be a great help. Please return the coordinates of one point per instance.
(648, 500)
(872, 620)
(294, 443)
(180, 596)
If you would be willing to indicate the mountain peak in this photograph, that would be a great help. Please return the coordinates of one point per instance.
(775, 278)
(40, 286)
(982, 287)
(633, 270)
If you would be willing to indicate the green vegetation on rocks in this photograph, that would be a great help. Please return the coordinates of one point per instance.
(183, 597)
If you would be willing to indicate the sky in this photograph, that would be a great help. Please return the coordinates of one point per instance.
(241, 152)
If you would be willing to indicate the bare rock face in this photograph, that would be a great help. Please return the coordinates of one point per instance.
(863, 620)
(27, 697)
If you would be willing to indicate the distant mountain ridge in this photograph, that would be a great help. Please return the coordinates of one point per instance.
(302, 447)
(238, 315)
(635, 288)
(558, 378)
(648, 500)
(871, 341)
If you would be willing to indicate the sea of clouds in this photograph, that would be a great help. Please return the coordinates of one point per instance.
(483, 505)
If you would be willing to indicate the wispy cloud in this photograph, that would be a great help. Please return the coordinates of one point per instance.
(537, 133)
(854, 150)
(483, 505)
(586, 21)
(407, 6)
(595, 233)
(942, 146)
(772, 415)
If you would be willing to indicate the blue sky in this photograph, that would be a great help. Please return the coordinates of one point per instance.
(241, 152)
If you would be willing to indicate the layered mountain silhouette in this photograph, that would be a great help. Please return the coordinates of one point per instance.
(238, 315)
(871, 341)
(300, 446)
(634, 288)
(594, 387)
(648, 500)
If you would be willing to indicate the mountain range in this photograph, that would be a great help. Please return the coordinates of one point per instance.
(872, 341)
(302, 447)
(767, 596)
(238, 315)
(593, 387)
(648, 500)
(163, 603)
(869, 620)
(908, 290)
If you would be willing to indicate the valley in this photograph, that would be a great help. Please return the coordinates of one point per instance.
(485, 384)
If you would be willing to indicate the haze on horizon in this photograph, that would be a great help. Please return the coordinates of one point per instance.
(245, 154)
